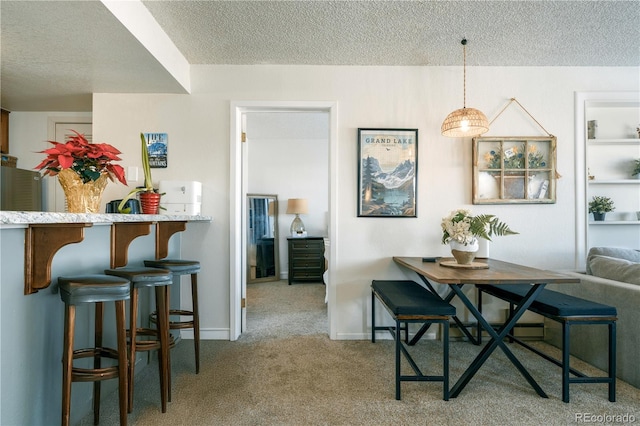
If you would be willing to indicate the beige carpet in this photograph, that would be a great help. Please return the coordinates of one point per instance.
(286, 371)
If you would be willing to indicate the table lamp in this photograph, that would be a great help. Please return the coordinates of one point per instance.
(297, 206)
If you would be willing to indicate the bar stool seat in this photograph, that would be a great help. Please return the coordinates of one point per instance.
(183, 267)
(157, 339)
(95, 289)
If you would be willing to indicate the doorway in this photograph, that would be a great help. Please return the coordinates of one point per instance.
(239, 190)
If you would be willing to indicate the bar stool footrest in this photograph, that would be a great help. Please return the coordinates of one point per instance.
(79, 374)
(175, 325)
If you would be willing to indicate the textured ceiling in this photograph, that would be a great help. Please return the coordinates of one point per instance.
(545, 33)
(56, 53)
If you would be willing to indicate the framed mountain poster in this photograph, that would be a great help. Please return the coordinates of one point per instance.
(387, 172)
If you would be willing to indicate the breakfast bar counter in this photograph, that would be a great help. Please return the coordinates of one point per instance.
(12, 219)
(36, 249)
(46, 233)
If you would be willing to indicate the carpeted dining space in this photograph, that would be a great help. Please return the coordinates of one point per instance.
(286, 371)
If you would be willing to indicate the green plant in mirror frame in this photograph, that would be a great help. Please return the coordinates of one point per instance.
(148, 183)
(600, 204)
(636, 168)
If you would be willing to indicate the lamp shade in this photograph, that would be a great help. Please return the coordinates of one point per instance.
(297, 206)
(465, 122)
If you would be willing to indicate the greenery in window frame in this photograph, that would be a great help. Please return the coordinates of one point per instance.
(514, 157)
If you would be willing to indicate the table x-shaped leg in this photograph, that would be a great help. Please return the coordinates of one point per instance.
(497, 340)
(447, 299)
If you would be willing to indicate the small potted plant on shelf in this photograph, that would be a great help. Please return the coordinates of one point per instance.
(461, 231)
(599, 206)
(149, 197)
(636, 168)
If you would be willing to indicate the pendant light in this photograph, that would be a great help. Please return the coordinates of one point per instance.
(465, 122)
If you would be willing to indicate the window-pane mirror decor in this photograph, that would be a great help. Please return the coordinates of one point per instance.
(262, 238)
(514, 170)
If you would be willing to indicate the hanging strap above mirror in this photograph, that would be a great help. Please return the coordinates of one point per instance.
(512, 100)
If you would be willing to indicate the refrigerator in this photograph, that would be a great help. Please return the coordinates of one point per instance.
(21, 190)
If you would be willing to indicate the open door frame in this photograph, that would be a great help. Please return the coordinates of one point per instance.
(237, 206)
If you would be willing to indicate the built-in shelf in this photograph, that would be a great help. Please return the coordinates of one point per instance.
(613, 141)
(614, 181)
(615, 222)
(611, 119)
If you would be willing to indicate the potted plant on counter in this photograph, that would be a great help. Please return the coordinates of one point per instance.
(82, 168)
(149, 197)
(599, 206)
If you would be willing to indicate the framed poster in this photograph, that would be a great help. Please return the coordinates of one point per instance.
(508, 170)
(157, 149)
(387, 170)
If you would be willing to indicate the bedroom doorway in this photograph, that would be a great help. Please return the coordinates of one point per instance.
(241, 186)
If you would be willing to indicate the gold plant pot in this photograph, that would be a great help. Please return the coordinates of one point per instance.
(82, 197)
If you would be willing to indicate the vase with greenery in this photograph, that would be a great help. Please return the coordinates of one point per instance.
(82, 169)
(149, 197)
(599, 206)
(461, 231)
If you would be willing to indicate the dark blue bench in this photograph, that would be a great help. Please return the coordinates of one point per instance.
(567, 310)
(409, 302)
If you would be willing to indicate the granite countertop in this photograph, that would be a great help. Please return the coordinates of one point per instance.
(25, 218)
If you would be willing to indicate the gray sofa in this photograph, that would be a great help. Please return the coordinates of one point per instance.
(613, 278)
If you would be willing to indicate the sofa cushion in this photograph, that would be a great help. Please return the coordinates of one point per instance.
(615, 269)
(620, 253)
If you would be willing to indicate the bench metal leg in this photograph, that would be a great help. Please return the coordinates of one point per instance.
(566, 370)
(445, 361)
(612, 361)
(565, 361)
(400, 349)
(398, 341)
(373, 317)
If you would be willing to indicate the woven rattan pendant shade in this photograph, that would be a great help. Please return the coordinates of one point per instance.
(464, 122)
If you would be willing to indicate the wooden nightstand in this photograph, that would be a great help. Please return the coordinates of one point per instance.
(306, 259)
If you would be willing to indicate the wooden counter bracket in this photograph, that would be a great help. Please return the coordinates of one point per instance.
(42, 241)
(164, 231)
(122, 233)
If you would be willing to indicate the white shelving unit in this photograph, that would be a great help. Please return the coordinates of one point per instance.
(603, 168)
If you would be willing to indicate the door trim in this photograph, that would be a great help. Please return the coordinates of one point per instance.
(238, 192)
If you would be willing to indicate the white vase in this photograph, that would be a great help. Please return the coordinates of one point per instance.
(464, 254)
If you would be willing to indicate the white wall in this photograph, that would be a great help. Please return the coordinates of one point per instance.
(391, 97)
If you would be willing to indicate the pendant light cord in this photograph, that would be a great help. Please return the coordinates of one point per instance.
(464, 73)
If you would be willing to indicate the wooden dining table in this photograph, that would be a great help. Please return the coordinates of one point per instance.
(484, 271)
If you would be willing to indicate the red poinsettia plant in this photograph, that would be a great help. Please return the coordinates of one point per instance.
(88, 160)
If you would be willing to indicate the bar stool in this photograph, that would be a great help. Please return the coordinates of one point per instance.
(94, 289)
(183, 267)
(160, 279)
